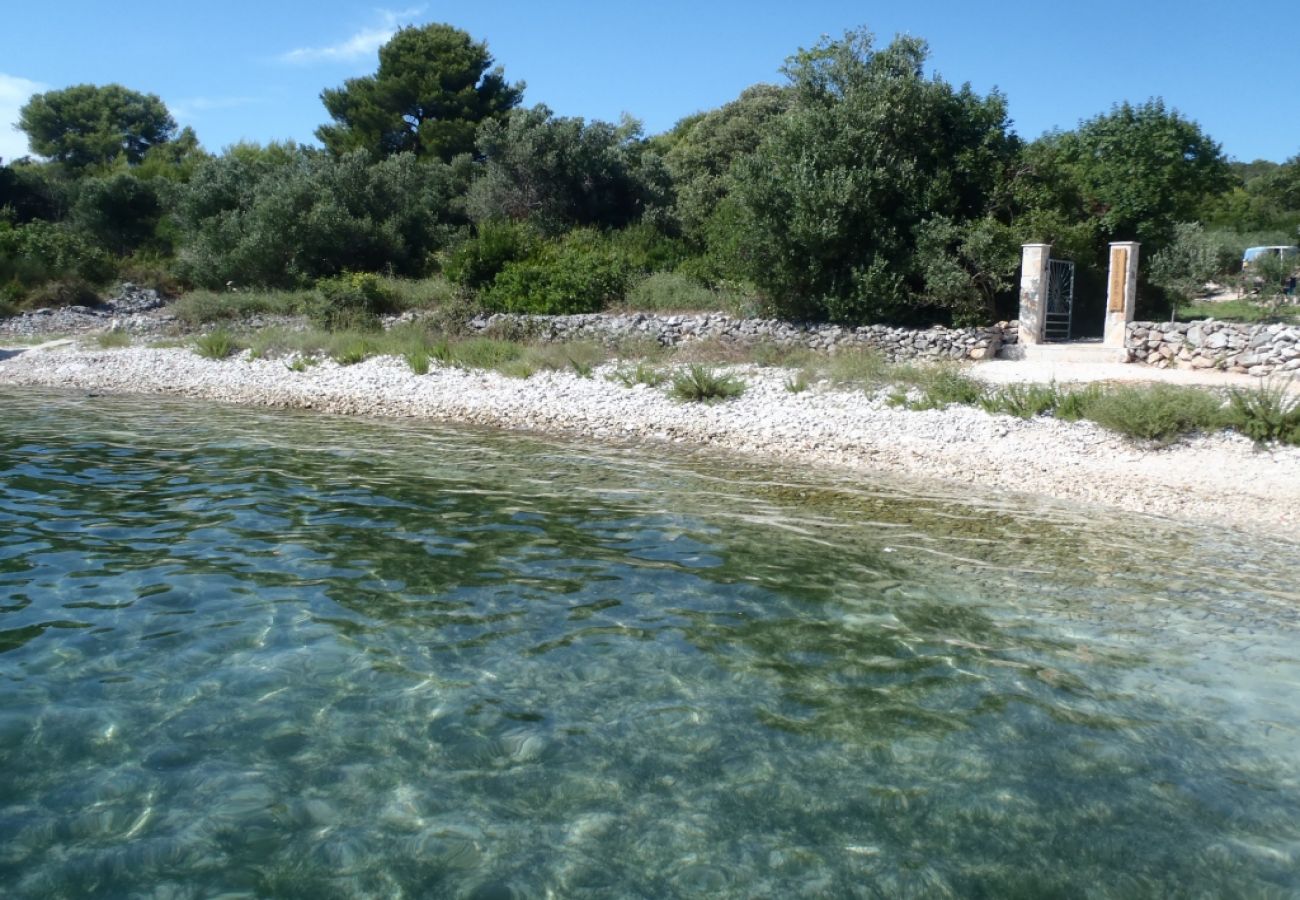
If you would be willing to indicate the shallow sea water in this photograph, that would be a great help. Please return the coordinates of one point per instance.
(267, 654)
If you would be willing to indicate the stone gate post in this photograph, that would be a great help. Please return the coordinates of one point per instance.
(1033, 292)
(1121, 291)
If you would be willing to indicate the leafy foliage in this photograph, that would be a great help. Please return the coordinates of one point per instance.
(558, 173)
(1267, 413)
(284, 216)
(350, 300)
(581, 273)
(435, 84)
(699, 384)
(88, 125)
(830, 203)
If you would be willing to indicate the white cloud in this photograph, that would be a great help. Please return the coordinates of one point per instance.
(188, 109)
(360, 45)
(14, 92)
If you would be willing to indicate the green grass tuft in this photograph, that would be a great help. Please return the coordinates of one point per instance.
(113, 339)
(699, 384)
(1267, 413)
(216, 345)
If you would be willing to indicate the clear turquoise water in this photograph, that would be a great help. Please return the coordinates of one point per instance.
(267, 654)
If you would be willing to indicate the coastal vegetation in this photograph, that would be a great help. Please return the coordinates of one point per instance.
(859, 190)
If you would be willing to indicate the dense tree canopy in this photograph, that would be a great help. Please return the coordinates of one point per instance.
(87, 125)
(434, 86)
(559, 172)
(833, 198)
(1138, 170)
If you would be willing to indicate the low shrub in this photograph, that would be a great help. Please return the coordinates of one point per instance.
(113, 339)
(418, 361)
(670, 292)
(580, 273)
(1160, 413)
(204, 307)
(1267, 413)
(798, 382)
(698, 384)
(475, 262)
(641, 373)
(1024, 401)
(355, 349)
(941, 386)
(216, 345)
(483, 353)
(351, 300)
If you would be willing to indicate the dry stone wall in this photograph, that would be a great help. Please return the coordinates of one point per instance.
(1254, 349)
(671, 330)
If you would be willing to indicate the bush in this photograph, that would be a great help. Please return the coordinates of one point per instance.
(41, 253)
(476, 262)
(1267, 413)
(217, 345)
(1024, 401)
(641, 373)
(108, 340)
(581, 273)
(1159, 413)
(354, 299)
(941, 386)
(670, 291)
(700, 384)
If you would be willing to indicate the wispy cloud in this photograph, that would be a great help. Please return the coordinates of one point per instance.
(361, 44)
(190, 107)
(14, 92)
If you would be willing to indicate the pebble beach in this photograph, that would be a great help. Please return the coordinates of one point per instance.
(1221, 479)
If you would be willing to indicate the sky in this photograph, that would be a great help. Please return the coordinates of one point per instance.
(240, 70)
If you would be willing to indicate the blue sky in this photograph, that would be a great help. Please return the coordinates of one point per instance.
(254, 70)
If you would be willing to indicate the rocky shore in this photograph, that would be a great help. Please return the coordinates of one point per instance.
(1221, 479)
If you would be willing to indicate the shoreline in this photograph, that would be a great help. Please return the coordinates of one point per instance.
(1218, 479)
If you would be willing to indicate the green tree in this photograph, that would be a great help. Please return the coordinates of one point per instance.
(558, 172)
(434, 86)
(1139, 170)
(286, 216)
(88, 125)
(1183, 266)
(701, 150)
(831, 202)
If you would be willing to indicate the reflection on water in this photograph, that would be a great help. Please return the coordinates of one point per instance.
(268, 654)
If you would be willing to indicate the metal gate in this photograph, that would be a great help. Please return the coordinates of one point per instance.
(1060, 300)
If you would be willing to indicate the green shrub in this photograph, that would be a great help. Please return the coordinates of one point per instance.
(484, 353)
(942, 386)
(641, 373)
(216, 345)
(476, 261)
(1072, 405)
(863, 367)
(43, 264)
(700, 384)
(798, 382)
(351, 300)
(1159, 412)
(202, 307)
(1024, 401)
(669, 291)
(113, 339)
(353, 350)
(581, 273)
(418, 360)
(1267, 413)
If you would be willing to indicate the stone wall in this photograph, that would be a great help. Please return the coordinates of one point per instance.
(670, 330)
(1255, 349)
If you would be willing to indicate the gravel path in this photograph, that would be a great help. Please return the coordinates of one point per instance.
(1222, 478)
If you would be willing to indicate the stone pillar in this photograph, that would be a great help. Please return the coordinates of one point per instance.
(1033, 292)
(1121, 291)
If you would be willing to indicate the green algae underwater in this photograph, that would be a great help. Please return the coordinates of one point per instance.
(271, 654)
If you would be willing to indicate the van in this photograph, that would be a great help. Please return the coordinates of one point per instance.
(1290, 255)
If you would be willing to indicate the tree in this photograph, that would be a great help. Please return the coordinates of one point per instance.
(432, 90)
(702, 148)
(558, 172)
(284, 216)
(1183, 266)
(831, 202)
(1139, 170)
(87, 125)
